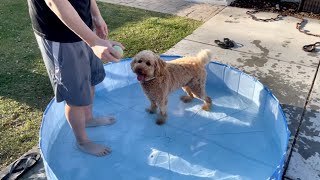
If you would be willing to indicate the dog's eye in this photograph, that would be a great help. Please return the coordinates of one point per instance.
(148, 63)
(140, 61)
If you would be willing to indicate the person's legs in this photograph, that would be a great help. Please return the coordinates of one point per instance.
(97, 121)
(68, 67)
(76, 118)
(88, 109)
(97, 76)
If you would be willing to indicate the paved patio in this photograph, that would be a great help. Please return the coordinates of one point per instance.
(272, 53)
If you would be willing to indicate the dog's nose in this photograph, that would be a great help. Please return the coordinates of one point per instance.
(139, 71)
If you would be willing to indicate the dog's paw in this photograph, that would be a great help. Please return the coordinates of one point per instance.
(186, 99)
(206, 107)
(160, 121)
(151, 111)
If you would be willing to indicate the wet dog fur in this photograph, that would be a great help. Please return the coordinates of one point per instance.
(159, 78)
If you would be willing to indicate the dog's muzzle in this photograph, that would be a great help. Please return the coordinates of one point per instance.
(140, 74)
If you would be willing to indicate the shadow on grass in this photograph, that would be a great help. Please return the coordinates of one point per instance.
(27, 88)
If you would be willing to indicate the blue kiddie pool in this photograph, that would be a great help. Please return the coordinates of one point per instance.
(244, 136)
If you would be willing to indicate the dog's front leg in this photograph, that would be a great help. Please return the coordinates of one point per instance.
(153, 107)
(163, 106)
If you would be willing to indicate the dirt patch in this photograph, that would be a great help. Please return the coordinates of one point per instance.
(275, 6)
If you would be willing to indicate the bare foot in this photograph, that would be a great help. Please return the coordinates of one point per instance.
(100, 121)
(94, 149)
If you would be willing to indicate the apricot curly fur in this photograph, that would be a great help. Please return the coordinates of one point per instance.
(159, 78)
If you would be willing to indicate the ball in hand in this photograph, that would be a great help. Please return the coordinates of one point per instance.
(119, 49)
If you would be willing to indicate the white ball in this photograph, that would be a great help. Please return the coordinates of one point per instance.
(119, 49)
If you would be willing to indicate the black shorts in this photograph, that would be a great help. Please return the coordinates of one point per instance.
(73, 69)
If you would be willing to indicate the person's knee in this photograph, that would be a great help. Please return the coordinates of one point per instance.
(79, 108)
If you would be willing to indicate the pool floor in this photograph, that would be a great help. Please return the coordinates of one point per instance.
(230, 142)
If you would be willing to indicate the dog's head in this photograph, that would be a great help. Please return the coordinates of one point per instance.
(147, 65)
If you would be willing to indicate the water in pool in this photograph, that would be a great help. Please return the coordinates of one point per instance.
(230, 142)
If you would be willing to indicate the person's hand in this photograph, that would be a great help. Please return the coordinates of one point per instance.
(101, 27)
(103, 49)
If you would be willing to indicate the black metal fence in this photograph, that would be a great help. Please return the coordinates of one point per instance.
(310, 6)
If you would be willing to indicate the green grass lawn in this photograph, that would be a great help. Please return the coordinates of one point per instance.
(24, 86)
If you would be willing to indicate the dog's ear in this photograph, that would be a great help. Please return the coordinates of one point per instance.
(160, 65)
(132, 62)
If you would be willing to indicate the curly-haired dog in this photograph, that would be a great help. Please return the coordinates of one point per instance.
(158, 78)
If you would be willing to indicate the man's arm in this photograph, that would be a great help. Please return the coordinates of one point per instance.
(94, 9)
(69, 16)
(100, 24)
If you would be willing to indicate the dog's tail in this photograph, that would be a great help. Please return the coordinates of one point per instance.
(205, 56)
